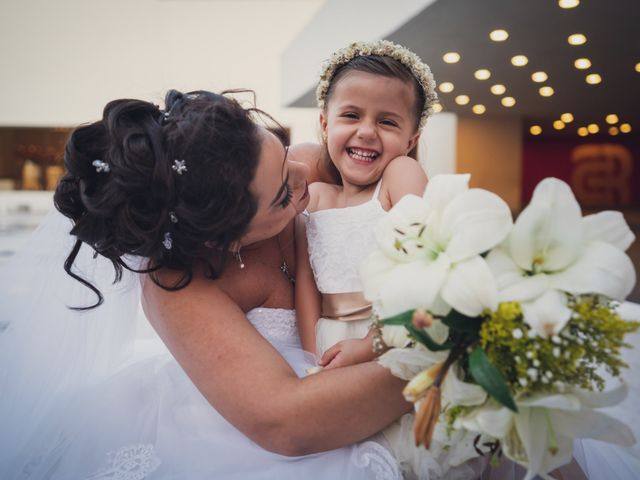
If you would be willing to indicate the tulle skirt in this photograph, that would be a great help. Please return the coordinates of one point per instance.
(150, 422)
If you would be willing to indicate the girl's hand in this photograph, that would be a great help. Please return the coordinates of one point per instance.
(348, 352)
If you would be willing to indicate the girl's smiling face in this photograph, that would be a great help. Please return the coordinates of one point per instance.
(369, 121)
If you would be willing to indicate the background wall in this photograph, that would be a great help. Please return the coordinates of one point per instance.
(62, 61)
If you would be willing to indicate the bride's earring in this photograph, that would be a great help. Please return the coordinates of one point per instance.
(238, 258)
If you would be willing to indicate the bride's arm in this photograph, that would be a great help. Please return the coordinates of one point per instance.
(245, 379)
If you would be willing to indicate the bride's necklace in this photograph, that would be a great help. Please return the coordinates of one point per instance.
(283, 266)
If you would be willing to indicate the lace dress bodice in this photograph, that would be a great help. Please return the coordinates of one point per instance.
(275, 324)
(339, 239)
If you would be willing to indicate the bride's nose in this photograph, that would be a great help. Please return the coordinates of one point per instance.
(299, 172)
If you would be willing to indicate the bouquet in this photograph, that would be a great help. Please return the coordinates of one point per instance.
(505, 330)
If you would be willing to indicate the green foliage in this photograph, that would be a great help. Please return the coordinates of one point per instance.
(489, 377)
(530, 364)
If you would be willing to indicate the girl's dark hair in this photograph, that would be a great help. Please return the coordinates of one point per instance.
(377, 65)
(130, 209)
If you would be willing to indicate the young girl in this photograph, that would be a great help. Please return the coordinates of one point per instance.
(375, 98)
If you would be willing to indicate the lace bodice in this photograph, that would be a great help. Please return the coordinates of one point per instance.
(338, 240)
(275, 323)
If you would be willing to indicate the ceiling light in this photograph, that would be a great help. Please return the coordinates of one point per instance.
(482, 74)
(462, 99)
(613, 131)
(519, 60)
(546, 91)
(478, 109)
(638, 67)
(566, 117)
(593, 128)
(539, 77)
(558, 125)
(583, 132)
(577, 39)
(437, 108)
(446, 87)
(593, 79)
(568, 3)
(612, 119)
(508, 101)
(499, 35)
(451, 57)
(498, 89)
(625, 128)
(535, 130)
(582, 63)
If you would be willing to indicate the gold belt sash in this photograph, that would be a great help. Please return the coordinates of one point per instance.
(345, 307)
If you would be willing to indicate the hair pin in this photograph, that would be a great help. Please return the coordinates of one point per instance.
(168, 241)
(173, 217)
(101, 166)
(179, 166)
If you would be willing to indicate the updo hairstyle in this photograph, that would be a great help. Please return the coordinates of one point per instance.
(130, 209)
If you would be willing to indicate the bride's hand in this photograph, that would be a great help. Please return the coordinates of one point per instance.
(348, 352)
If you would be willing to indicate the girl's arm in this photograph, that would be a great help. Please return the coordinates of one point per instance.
(307, 297)
(247, 381)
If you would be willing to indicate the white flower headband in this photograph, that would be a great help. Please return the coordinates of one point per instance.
(383, 48)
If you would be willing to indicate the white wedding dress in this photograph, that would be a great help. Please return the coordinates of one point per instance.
(83, 399)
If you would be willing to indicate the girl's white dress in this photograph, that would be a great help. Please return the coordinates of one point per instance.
(338, 240)
(83, 398)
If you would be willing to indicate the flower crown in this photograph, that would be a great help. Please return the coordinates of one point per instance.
(383, 48)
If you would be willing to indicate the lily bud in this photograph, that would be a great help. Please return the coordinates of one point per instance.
(419, 384)
(427, 417)
(421, 318)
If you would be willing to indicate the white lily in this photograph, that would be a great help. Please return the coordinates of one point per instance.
(429, 250)
(540, 436)
(552, 249)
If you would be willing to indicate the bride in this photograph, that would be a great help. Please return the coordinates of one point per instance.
(200, 201)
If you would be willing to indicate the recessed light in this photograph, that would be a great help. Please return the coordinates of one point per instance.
(498, 89)
(577, 39)
(546, 91)
(614, 131)
(462, 99)
(593, 79)
(451, 57)
(539, 77)
(583, 132)
(566, 117)
(446, 87)
(482, 74)
(625, 128)
(437, 108)
(638, 67)
(499, 35)
(535, 130)
(508, 101)
(478, 109)
(582, 63)
(611, 119)
(568, 3)
(593, 128)
(558, 124)
(519, 60)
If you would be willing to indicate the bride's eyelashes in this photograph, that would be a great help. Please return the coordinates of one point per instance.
(288, 196)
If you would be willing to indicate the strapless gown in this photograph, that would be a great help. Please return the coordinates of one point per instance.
(150, 422)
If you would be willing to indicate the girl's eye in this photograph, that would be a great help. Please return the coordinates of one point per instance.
(389, 122)
(287, 199)
(350, 115)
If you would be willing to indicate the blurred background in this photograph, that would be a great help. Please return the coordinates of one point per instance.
(528, 88)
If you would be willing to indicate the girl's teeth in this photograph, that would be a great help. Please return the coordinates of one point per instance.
(361, 155)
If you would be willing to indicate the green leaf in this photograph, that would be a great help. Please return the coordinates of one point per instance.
(425, 339)
(490, 378)
(400, 319)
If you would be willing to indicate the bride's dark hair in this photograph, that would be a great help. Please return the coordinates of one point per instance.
(142, 205)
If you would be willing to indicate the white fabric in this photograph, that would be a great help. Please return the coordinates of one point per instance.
(339, 239)
(604, 461)
(81, 400)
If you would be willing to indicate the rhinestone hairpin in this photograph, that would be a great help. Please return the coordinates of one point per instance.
(180, 166)
(101, 166)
